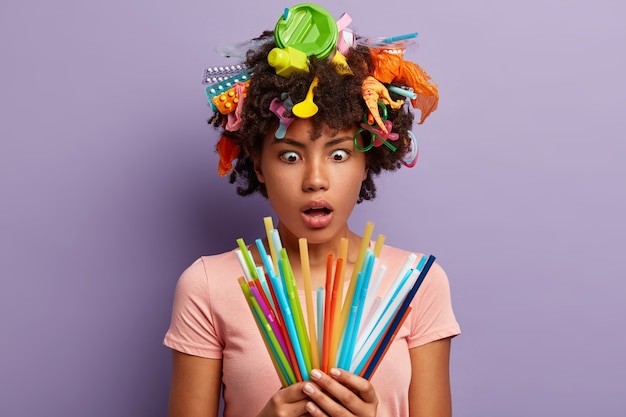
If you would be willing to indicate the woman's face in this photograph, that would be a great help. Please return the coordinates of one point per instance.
(312, 184)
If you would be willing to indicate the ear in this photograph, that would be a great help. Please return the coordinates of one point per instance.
(256, 162)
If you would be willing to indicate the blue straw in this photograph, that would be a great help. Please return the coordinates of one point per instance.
(399, 38)
(275, 241)
(377, 332)
(272, 341)
(267, 262)
(290, 324)
(407, 301)
(382, 310)
(405, 92)
(361, 293)
(296, 309)
(420, 264)
(320, 316)
(347, 335)
(266, 288)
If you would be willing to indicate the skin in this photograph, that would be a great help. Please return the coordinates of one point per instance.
(301, 173)
(298, 172)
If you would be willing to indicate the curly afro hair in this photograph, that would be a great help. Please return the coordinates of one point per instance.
(340, 105)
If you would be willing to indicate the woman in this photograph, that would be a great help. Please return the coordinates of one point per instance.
(314, 166)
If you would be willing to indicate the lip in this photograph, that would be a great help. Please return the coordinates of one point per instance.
(317, 220)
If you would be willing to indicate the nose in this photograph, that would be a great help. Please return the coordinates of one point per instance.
(315, 176)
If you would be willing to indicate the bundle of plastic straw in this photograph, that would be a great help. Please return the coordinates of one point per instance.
(351, 332)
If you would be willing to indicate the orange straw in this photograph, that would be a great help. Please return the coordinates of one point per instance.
(336, 331)
(327, 305)
(334, 308)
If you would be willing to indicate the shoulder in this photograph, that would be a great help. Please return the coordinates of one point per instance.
(203, 272)
(206, 265)
(204, 292)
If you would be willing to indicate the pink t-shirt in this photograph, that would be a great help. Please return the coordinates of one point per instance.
(211, 319)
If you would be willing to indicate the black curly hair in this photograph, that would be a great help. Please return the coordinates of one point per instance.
(340, 102)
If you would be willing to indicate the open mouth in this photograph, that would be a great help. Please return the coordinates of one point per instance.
(317, 214)
(317, 211)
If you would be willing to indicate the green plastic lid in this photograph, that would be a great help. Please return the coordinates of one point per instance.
(308, 28)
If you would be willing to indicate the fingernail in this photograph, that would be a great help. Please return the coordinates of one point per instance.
(335, 372)
(315, 374)
(310, 407)
(308, 388)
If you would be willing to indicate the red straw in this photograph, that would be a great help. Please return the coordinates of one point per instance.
(327, 312)
(277, 312)
(333, 311)
(291, 355)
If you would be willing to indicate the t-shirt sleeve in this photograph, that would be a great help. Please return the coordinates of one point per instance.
(192, 329)
(432, 317)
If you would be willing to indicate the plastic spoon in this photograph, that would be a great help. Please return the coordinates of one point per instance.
(306, 108)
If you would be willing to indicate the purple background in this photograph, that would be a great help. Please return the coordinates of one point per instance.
(109, 190)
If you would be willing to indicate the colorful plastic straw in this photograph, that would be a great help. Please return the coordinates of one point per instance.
(327, 314)
(353, 333)
(337, 301)
(269, 226)
(375, 329)
(269, 315)
(288, 318)
(400, 316)
(296, 308)
(247, 258)
(308, 293)
(271, 343)
(375, 360)
(388, 299)
(356, 311)
(365, 242)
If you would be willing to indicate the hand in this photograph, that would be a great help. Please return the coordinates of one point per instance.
(287, 402)
(340, 394)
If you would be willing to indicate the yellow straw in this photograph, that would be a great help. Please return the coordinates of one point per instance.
(269, 225)
(343, 254)
(336, 330)
(306, 274)
(380, 241)
(365, 242)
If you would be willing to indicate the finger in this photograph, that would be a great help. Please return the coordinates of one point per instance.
(343, 393)
(291, 394)
(333, 397)
(361, 386)
(314, 411)
(289, 401)
(321, 404)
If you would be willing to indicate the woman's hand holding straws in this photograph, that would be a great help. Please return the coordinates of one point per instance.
(325, 394)
(352, 334)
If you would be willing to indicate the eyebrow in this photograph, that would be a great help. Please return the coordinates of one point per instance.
(299, 144)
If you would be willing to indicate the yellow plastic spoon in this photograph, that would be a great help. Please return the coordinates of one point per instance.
(306, 108)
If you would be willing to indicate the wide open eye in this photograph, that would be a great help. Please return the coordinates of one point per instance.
(340, 155)
(290, 156)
